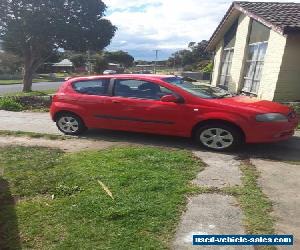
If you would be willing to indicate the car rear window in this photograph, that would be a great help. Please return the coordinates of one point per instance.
(92, 87)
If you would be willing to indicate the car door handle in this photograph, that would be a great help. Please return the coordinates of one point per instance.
(116, 101)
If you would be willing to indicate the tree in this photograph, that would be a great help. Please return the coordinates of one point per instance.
(101, 63)
(120, 57)
(78, 60)
(34, 29)
(190, 58)
(9, 63)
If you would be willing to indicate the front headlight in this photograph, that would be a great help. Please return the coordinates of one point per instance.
(271, 117)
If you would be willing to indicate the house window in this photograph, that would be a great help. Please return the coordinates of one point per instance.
(229, 42)
(258, 43)
(226, 67)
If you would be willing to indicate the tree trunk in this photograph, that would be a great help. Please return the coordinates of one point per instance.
(27, 79)
(31, 64)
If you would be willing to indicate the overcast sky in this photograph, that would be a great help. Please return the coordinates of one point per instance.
(167, 25)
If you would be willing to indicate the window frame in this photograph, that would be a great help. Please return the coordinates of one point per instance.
(108, 90)
(228, 68)
(114, 81)
(257, 63)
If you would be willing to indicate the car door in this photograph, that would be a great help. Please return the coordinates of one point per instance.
(93, 96)
(136, 106)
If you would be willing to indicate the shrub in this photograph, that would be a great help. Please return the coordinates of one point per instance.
(35, 102)
(208, 68)
(10, 104)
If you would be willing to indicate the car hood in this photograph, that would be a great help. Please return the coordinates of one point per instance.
(254, 104)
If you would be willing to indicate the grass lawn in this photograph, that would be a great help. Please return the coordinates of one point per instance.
(32, 93)
(149, 187)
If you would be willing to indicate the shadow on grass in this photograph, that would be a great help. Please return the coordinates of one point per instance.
(9, 232)
(282, 151)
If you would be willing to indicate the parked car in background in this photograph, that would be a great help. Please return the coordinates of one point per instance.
(143, 72)
(109, 72)
(169, 105)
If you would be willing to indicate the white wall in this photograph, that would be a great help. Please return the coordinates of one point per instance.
(240, 48)
(288, 85)
(217, 62)
(272, 66)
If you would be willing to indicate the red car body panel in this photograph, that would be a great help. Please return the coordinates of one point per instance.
(179, 119)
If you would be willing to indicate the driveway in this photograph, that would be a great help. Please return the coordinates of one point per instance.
(39, 86)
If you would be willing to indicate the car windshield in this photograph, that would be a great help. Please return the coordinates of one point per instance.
(198, 89)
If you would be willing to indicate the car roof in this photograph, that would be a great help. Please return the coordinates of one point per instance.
(139, 76)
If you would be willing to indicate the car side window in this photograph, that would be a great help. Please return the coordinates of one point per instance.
(139, 89)
(92, 87)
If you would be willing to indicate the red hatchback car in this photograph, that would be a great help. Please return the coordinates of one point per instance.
(169, 105)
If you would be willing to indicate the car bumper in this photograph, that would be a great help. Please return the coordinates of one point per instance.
(271, 132)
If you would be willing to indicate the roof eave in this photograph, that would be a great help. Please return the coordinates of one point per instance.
(235, 6)
(211, 45)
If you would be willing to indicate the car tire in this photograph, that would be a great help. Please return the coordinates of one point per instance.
(218, 136)
(70, 124)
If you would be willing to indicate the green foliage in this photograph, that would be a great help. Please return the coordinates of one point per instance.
(208, 68)
(10, 104)
(120, 57)
(296, 107)
(36, 101)
(47, 25)
(9, 63)
(149, 186)
(101, 64)
(190, 57)
(78, 60)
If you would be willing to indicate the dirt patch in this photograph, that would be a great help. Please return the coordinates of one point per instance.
(70, 145)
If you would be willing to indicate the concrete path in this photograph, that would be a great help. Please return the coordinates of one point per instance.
(39, 86)
(28, 122)
(209, 214)
(212, 213)
(281, 183)
(222, 171)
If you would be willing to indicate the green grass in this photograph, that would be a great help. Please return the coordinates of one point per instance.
(32, 93)
(296, 107)
(149, 186)
(35, 135)
(31, 101)
(255, 204)
(10, 104)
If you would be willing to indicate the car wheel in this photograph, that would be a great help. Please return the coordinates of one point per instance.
(70, 124)
(218, 137)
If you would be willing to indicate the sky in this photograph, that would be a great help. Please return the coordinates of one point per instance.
(166, 25)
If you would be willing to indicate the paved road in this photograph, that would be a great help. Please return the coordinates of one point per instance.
(39, 86)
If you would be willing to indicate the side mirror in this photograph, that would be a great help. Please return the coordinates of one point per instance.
(170, 98)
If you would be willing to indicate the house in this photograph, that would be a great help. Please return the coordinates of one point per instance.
(257, 50)
(63, 66)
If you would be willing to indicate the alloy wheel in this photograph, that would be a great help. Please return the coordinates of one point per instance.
(68, 124)
(216, 138)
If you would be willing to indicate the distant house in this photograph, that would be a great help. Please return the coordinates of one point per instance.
(63, 66)
(257, 50)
